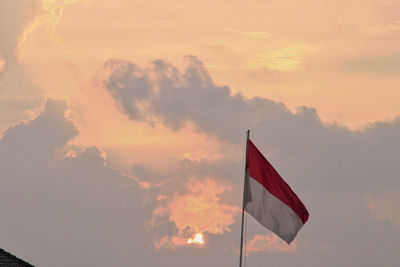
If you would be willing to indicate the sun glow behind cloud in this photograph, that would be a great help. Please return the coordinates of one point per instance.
(195, 212)
(197, 239)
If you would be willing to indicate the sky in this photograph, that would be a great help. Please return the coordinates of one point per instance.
(123, 126)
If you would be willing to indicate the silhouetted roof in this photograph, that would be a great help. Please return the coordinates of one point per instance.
(7, 259)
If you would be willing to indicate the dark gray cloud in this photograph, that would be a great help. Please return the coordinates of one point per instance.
(332, 168)
(127, 73)
(78, 210)
(62, 208)
(174, 98)
(72, 211)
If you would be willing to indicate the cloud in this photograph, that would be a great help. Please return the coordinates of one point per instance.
(381, 63)
(196, 211)
(269, 242)
(65, 210)
(20, 18)
(332, 168)
(319, 155)
(15, 16)
(389, 28)
(174, 98)
(199, 208)
(384, 206)
(18, 96)
(52, 11)
(64, 205)
(30, 138)
(127, 73)
(76, 206)
(287, 59)
(249, 34)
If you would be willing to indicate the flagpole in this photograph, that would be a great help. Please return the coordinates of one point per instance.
(244, 197)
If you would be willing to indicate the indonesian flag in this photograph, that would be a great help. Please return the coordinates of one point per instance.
(270, 200)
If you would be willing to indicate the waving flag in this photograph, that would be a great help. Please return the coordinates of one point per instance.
(269, 199)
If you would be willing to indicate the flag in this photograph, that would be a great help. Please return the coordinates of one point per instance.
(269, 199)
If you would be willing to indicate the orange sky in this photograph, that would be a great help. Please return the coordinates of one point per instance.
(314, 54)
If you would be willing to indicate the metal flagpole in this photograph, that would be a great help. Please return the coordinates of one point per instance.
(244, 198)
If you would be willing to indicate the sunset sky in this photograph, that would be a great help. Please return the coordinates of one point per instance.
(122, 129)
